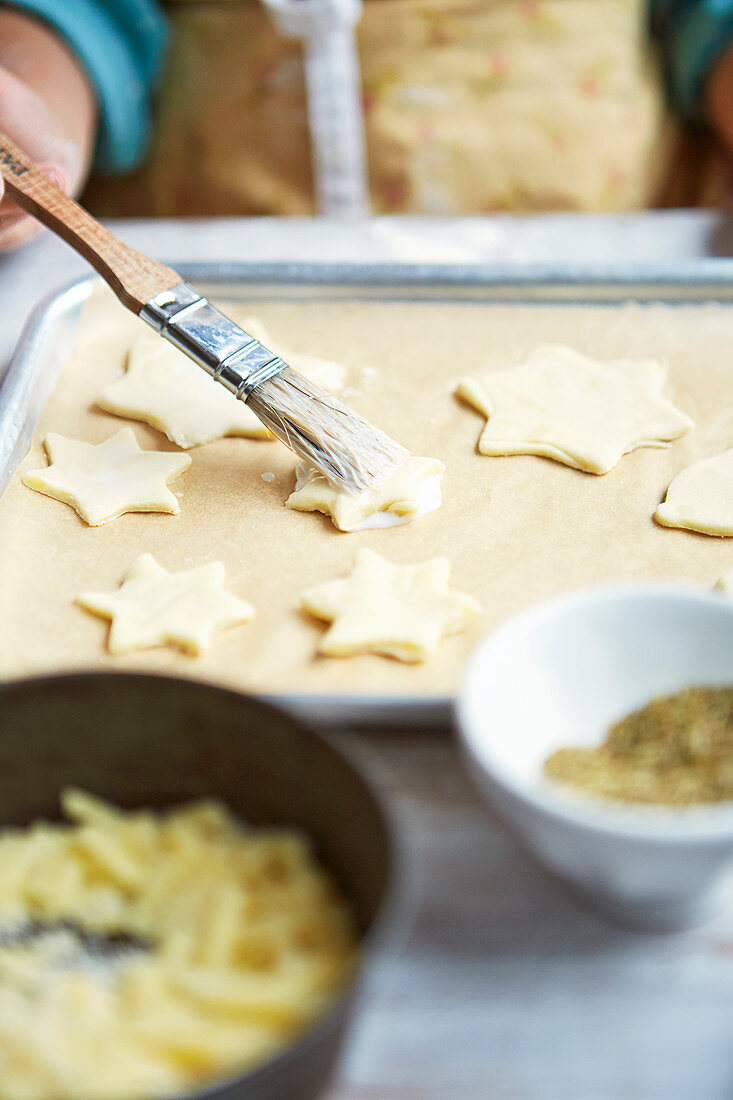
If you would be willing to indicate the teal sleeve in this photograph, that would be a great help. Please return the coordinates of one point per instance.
(121, 44)
(693, 34)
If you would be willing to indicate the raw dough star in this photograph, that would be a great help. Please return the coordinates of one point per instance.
(409, 492)
(400, 611)
(170, 392)
(153, 607)
(580, 411)
(700, 498)
(104, 480)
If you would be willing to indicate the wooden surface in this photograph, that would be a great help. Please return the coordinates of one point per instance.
(505, 989)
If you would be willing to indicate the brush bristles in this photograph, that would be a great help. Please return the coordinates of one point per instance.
(347, 449)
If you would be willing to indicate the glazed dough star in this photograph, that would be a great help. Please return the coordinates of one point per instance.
(700, 498)
(409, 492)
(104, 480)
(400, 611)
(153, 607)
(579, 411)
(170, 392)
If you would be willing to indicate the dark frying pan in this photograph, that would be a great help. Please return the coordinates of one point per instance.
(142, 740)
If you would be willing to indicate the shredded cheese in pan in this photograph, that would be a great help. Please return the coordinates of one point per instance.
(219, 945)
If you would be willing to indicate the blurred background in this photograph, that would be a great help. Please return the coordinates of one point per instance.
(432, 107)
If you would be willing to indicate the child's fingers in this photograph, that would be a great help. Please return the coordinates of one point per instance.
(17, 227)
(17, 231)
(27, 120)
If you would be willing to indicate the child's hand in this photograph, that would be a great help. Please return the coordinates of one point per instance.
(47, 107)
(25, 118)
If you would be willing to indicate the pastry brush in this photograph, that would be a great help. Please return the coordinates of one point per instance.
(347, 449)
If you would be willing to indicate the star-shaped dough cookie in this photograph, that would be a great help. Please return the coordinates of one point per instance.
(409, 492)
(700, 498)
(153, 607)
(170, 392)
(400, 611)
(579, 411)
(104, 480)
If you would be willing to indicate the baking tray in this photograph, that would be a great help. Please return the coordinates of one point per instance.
(47, 339)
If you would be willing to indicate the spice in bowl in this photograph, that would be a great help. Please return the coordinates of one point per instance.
(675, 751)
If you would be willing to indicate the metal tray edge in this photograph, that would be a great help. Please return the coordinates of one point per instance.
(703, 274)
(22, 389)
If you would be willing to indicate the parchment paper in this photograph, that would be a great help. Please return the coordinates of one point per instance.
(516, 529)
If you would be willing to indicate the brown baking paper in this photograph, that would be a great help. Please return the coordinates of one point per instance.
(516, 530)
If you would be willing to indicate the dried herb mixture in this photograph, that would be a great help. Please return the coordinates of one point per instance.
(676, 751)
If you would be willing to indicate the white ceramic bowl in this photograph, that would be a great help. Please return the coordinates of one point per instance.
(560, 674)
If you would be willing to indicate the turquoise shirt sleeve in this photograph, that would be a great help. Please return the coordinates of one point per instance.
(693, 34)
(121, 44)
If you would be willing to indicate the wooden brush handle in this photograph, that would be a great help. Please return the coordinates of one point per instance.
(134, 278)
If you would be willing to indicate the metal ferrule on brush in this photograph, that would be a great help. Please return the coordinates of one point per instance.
(228, 353)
